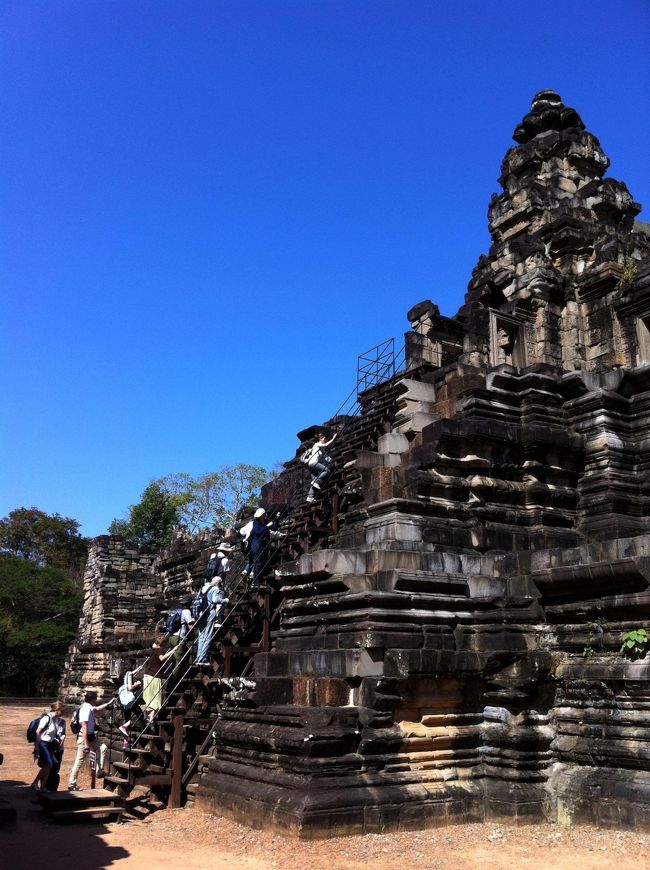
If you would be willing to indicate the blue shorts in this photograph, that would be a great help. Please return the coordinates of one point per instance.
(46, 754)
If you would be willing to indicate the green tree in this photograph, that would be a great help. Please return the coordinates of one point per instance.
(150, 522)
(39, 615)
(47, 539)
(215, 498)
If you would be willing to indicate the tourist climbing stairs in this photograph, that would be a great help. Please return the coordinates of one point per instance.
(162, 755)
(312, 525)
(159, 755)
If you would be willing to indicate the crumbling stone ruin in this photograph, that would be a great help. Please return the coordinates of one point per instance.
(451, 608)
(125, 592)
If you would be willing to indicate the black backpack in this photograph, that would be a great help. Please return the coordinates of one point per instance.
(174, 620)
(211, 568)
(75, 724)
(199, 605)
(32, 728)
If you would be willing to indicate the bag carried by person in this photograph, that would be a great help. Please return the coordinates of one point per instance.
(124, 695)
(174, 621)
(75, 724)
(310, 455)
(199, 605)
(32, 728)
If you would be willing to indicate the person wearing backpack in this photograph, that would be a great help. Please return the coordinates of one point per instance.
(214, 599)
(177, 638)
(46, 745)
(260, 538)
(54, 779)
(317, 461)
(151, 676)
(212, 567)
(128, 700)
(87, 738)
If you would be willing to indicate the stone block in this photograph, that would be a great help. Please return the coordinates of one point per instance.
(392, 442)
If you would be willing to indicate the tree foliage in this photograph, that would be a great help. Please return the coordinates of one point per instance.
(39, 615)
(151, 520)
(47, 539)
(214, 499)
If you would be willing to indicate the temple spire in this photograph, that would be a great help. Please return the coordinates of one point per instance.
(547, 112)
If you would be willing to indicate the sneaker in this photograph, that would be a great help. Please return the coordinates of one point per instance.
(126, 745)
(310, 499)
(124, 730)
(73, 788)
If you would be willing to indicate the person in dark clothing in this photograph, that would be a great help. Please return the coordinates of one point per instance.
(259, 539)
(54, 776)
(212, 567)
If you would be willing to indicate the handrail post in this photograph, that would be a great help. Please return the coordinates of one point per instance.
(335, 512)
(266, 626)
(177, 761)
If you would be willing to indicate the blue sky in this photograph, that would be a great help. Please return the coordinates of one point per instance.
(209, 209)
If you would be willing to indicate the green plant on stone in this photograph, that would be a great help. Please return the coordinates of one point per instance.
(588, 652)
(634, 643)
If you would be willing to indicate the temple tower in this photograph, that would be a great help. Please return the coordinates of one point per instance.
(491, 507)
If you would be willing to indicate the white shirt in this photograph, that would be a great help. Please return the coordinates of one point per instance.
(186, 620)
(87, 714)
(49, 732)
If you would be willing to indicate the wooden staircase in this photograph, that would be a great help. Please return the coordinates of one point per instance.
(162, 757)
(91, 803)
(161, 754)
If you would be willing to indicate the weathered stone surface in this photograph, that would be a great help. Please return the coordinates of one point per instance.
(453, 603)
(464, 578)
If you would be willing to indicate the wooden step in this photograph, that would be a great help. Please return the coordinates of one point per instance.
(95, 798)
(139, 752)
(131, 768)
(116, 780)
(87, 812)
(155, 779)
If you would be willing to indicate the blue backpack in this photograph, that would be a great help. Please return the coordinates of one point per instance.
(174, 620)
(32, 728)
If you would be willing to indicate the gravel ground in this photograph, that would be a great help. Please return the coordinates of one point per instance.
(198, 841)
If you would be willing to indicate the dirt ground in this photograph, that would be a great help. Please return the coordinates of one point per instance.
(192, 840)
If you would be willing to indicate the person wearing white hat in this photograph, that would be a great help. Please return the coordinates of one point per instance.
(245, 532)
(259, 538)
(225, 563)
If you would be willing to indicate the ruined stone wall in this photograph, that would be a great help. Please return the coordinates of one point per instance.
(120, 609)
(126, 595)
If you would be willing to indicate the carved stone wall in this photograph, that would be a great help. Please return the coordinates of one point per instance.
(449, 650)
(453, 602)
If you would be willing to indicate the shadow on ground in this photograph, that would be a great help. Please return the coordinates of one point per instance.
(35, 841)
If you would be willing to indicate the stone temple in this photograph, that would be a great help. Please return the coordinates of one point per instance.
(442, 637)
